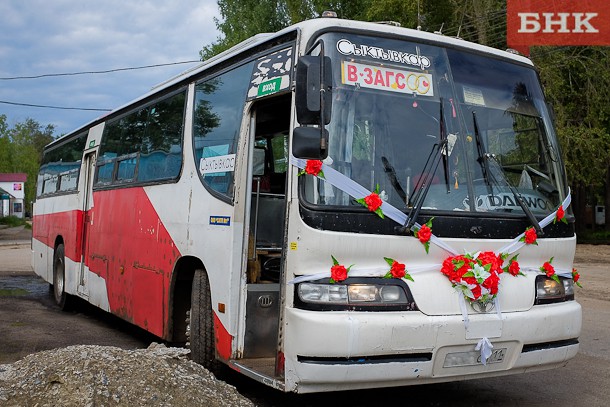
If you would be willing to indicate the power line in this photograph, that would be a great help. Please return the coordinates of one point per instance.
(54, 107)
(95, 72)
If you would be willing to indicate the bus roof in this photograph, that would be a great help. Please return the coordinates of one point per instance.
(308, 29)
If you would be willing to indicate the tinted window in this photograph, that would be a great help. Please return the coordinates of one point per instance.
(145, 145)
(219, 105)
(61, 166)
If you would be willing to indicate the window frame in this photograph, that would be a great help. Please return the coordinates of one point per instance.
(115, 182)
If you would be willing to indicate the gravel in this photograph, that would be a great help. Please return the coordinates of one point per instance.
(88, 375)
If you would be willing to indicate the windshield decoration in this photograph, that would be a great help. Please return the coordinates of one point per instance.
(346, 47)
(475, 275)
(271, 74)
(386, 78)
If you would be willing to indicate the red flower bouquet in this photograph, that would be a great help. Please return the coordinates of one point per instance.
(477, 277)
(513, 267)
(338, 272)
(313, 167)
(549, 270)
(530, 236)
(424, 234)
(576, 277)
(397, 270)
(372, 202)
(560, 216)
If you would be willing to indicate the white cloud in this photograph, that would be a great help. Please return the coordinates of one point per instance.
(41, 37)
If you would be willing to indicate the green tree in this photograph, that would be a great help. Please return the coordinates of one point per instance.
(577, 82)
(5, 146)
(26, 144)
(242, 19)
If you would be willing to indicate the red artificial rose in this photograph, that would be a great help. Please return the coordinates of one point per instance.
(514, 268)
(560, 213)
(313, 167)
(476, 292)
(530, 236)
(338, 272)
(548, 269)
(470, 280)
(491, 283)
(493, 259)
(575, 275)
(398, 270)
(373, 202)
(424, 233)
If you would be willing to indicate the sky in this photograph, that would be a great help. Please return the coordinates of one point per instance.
(39, 37)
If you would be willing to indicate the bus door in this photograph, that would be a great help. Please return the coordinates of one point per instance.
(269, 130)
(89, 167)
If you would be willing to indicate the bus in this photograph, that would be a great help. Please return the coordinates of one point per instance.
(338, 205)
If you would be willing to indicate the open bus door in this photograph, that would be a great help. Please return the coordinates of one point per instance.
(89, 171)
(269, 130)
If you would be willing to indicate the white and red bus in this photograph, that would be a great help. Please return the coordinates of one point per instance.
(339, 205)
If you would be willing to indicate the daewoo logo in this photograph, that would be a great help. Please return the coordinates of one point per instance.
(482, 307)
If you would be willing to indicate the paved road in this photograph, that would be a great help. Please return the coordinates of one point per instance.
(29, 322)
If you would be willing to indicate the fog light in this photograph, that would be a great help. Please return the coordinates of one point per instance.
(392, 293)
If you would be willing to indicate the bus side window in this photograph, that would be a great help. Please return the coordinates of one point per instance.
(219, 104)
(145, 145)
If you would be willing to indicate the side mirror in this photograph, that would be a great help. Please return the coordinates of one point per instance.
(313, 90)
(310, 143)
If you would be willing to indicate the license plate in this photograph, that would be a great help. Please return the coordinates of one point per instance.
(473, 358)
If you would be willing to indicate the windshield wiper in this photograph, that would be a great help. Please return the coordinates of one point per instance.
(497, 176)
(439, 150)
(481, 153)
(391, 173)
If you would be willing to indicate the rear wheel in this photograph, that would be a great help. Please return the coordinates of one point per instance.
(62, 299)
(201, 330)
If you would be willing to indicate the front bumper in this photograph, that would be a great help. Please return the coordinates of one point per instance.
(329, 351)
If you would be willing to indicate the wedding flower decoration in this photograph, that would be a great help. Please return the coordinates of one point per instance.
(576, 277)
(530, 236)
(549, 270)
(372, 202)
(338, 272)
(476, 276)
(397, 270)
(560, 216)
(313, 167)
(424, 234)
(513, 267)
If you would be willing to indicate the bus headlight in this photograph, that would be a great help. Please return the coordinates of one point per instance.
(357, 295)
(549, 291)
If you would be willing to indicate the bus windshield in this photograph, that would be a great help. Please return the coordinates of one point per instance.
(396, 103)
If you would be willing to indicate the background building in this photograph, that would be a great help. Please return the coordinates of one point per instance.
(12, 193)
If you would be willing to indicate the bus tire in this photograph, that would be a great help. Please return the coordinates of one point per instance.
(201, 334)
(62, 299)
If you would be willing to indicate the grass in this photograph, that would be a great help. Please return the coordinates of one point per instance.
(12, 292)
(597, 237)
(13, 221)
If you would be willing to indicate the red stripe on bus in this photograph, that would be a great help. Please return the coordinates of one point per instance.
(223, 339)
(132, 250)
(67, 225)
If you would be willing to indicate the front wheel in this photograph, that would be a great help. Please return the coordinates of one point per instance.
(201, 332)
(62, 299)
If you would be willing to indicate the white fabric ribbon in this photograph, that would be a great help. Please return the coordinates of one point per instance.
(485, 346)
(516, 244)
(357, 191)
